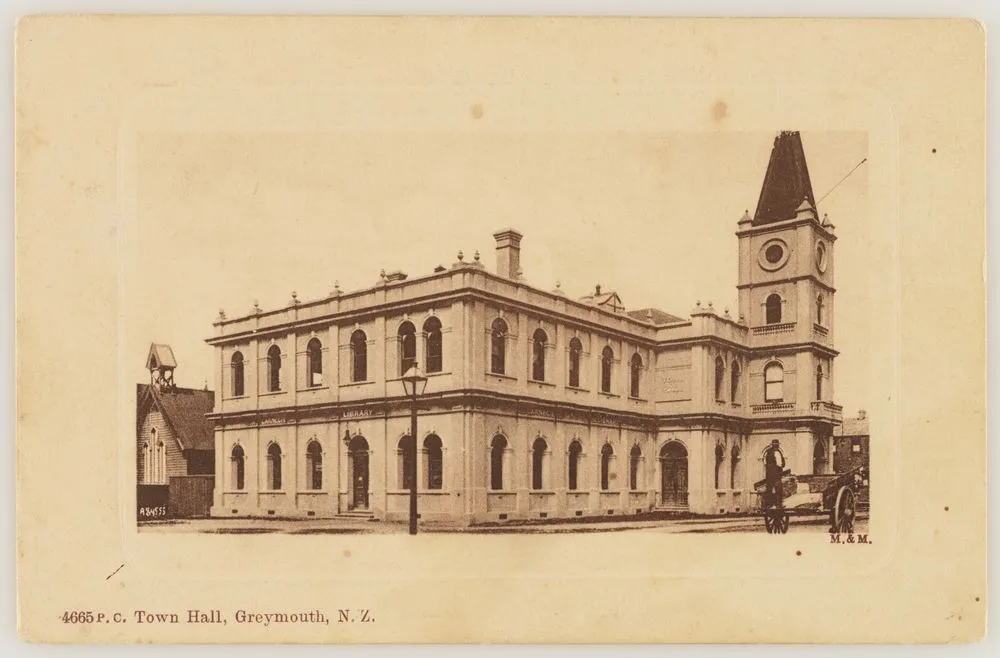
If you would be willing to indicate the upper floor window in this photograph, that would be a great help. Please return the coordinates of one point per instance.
(819, 310)
(538, 452)
(734, 382)
(434, 462)
(314, 466)
(635, 372)
(433, 347)
(538, 341)
(720, 375)
(607, 361)
(575, 453)
(274, 467)
(314, 362)
(237, 374)
(359, 356)
(237, 461)
(407, 347)
(772, 308)
(274, 368)
(774, 380)
(498, 347)
(575, 351)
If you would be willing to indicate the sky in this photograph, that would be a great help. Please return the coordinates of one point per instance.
(227, 218)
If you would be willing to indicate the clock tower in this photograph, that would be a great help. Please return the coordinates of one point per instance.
(786, 295)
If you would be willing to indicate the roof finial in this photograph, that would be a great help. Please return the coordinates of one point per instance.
(597, 289)
(336, 289)
(255, 309)
(476, 256)
(295, 299)
(461, 256)
(381, 274)
(222, 314)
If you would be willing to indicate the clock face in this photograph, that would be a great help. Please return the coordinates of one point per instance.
(773, 255)
(821, 256)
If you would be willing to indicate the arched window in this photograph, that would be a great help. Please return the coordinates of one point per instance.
(819, 309)
(498, 347)
(237, 374)
(405, 456)
(734, 382)
(634, 459)
(538, 340)
(720, 375)
(314, 362)
(774, 379)
(314, 465)
(407, 347)
(635, 372)
(434, 353)
(607, 453)
(497, 449)
(575, 451)
(720, 457)
(274, 467)
(359, 356)
(274, 368)
(146, 464)
(773, 308)
(152, 471)
(819, 382)
(538, 449)
(237, 463)
(434, 466)
(575, 350)
(734, 459)
(607, 360)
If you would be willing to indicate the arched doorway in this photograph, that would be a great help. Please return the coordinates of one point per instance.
(820, 460)
(674, 475)
(358, 458)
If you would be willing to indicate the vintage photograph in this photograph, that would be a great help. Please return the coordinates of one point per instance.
(537, 406)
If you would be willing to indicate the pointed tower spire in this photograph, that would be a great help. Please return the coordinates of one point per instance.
(786, 184)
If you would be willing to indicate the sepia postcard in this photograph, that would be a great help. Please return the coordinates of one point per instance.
(503, 330)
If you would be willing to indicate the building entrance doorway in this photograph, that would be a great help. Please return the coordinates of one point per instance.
(674, 476)
(358, 454)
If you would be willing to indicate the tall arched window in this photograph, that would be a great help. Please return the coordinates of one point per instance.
(575, 351)
(314, 362)
(153, 472)
(734, 382)
(237, 374)
(274, 368)
(359, 356)
(634, 460)
(404, 454)
(773, 308)
(720, 375)
(538, 450)
(720, 458)
(498, 347)
(314, 465)
(635, 373)
(734, 459)
(407, 347)
(607, 361)
(575, 451)
(819, 309)
(237, 465)
(819, 382)
(538, 340)
(147, 463)
(607, 453)
(497, 449)
(774, 379)
(434, 464)
(433, 348)
(274, 467)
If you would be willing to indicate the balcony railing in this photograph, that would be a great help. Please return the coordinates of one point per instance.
(829, 409)
(772, 408)
(781, 328)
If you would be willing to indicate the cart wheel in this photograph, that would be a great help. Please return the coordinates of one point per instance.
(783, 523)
(842, 514)
(769, 522)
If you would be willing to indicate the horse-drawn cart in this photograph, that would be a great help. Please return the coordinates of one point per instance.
(800, 495)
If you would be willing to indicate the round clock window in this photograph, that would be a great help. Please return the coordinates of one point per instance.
(821, 256)
(773, 255)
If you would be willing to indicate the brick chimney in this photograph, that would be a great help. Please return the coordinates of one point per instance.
(508, 253)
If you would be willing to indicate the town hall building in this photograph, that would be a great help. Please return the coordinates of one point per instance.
(537, 405)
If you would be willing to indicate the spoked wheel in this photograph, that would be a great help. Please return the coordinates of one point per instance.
(775, 521)
(842, 514)
(783, 522)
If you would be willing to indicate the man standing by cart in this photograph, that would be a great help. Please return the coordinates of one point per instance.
(774, 466)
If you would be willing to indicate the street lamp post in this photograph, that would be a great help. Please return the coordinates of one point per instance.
(414, 383)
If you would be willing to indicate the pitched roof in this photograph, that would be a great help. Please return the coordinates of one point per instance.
(609, 299)
(160, 355)
(654, 315)
(184, 410)
(786, 183)
(853, 427)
